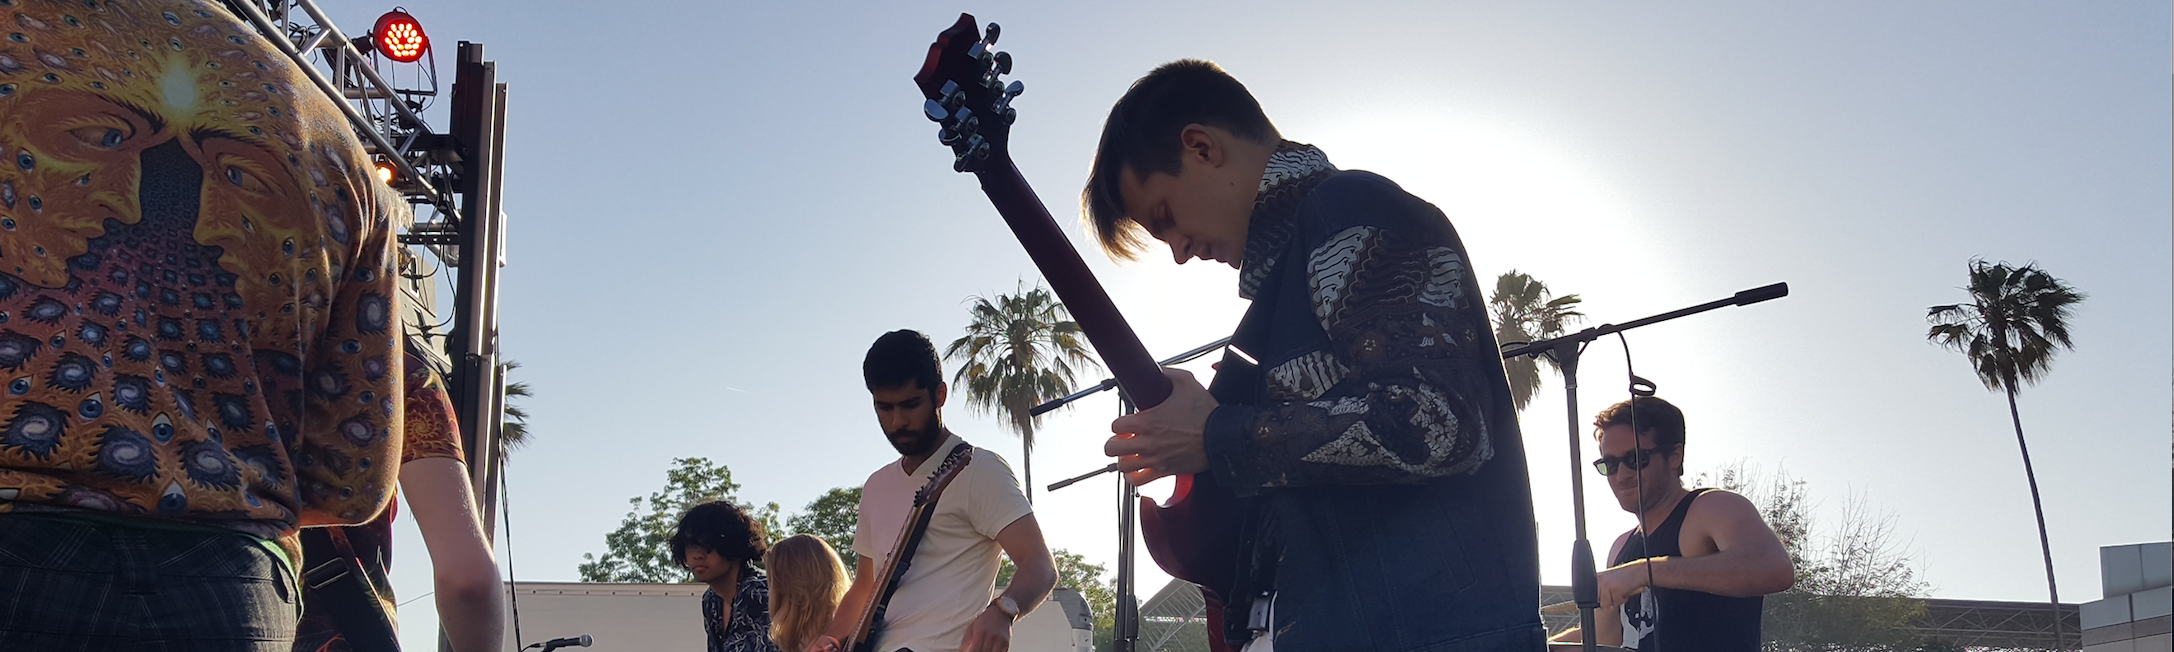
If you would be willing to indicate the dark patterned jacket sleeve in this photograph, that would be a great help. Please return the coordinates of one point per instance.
(1401, 392)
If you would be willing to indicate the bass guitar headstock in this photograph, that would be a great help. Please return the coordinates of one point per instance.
(967, 96)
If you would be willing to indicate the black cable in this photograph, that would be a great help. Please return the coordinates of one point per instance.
(505, 507)
(1644, 537)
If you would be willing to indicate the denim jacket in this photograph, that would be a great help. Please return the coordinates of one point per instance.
(1375, 442)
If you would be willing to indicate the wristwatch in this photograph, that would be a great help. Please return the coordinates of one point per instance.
(1006, 604)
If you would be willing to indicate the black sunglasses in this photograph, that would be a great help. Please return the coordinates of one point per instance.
(1636, 460)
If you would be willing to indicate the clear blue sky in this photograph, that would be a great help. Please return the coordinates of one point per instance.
(716, 206)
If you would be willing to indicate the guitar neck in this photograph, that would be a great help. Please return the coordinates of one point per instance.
(1075, 285)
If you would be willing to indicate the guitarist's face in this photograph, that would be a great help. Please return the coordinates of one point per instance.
(911, 417)
(1203, 210)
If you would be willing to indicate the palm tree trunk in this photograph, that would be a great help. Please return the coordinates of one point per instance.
(2053, 595)
(1026, 463)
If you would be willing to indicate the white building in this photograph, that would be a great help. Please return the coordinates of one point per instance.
(2138, 610)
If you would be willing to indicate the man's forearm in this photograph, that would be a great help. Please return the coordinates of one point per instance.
(1731, 573)
(848, 614)
(1030, 586)
(472, 612)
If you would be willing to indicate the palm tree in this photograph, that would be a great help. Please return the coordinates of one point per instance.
(513, 432)
(2016, 318)
(1020, 350)
(1525, 311)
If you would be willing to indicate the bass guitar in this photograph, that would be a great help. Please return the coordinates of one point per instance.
(1193, 535)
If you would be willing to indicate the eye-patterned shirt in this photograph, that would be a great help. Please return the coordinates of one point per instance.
(196, 276)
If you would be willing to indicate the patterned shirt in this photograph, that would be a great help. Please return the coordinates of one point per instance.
(196, 276)
(749, 630)
(1399, 390)
(1376, 431)
(431, 432)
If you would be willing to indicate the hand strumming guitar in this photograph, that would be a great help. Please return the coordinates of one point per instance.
(1167, 439)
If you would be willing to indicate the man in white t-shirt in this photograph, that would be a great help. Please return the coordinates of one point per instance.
(944, 602)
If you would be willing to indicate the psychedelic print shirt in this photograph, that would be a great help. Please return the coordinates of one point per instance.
(432, 431)
(196, 276)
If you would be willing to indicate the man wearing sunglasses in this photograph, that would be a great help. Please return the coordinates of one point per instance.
(1697, 581)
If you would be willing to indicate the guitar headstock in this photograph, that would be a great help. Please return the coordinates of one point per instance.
(967, 96)
(958, 457)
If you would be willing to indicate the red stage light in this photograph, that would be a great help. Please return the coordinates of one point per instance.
(400, 37)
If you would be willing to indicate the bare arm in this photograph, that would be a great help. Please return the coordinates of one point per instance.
(1747, 559)
(465, 576)
(849, 607)
(1036, 575)
(1037, 571)
(1606, 621)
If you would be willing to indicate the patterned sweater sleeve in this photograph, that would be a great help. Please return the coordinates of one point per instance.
(1399, 395)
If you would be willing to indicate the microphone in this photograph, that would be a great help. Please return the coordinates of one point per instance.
(556, 643)
(1758, 294)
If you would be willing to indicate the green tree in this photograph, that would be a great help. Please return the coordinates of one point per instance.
(514, 430)
(638, 551)
(1019, 350)
(1857, 588)
(831, 517)
(2016, 319)
(1073, 572)
(1524, 310)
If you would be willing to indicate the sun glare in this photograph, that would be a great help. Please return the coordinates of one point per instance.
(1512, 195)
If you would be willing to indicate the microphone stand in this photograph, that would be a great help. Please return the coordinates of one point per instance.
(1125, 626)
(1564, 351)
(1126, 633)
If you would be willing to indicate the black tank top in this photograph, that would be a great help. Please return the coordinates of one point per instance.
(1686, 621)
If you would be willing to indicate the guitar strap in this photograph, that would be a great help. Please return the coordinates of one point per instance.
(911, 543)
(337, 587)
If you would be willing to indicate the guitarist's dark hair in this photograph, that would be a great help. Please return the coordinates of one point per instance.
(1142, 135)
(901, 356)
(720, 527)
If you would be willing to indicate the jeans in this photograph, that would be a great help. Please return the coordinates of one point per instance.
(77, 584)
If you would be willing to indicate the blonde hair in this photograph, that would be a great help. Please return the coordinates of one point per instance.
(806, 583)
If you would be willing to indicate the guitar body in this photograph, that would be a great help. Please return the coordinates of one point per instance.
(1195, 535)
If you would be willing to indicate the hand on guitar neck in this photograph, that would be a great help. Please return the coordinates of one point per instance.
(1166, 439)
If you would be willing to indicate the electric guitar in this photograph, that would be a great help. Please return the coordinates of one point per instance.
(893, 569)
(1194, 535)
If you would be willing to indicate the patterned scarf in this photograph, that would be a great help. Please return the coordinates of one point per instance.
(1292, 172)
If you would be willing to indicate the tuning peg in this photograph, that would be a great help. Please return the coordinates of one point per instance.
(935, 110)
(977, 50)
(1010, 115)
(946, 136)
(1003, 63)
(989, 35)
(1014, 89)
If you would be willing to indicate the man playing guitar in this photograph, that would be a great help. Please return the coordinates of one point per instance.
(942, 602)
(1389, 507)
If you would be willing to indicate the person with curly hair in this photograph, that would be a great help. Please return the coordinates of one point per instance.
(720, 543)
